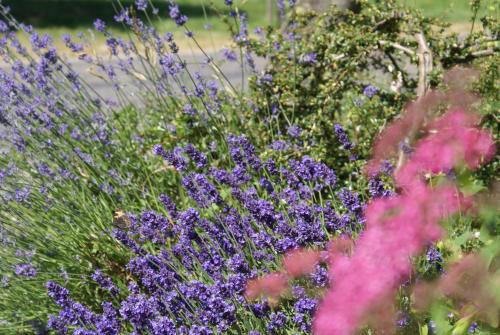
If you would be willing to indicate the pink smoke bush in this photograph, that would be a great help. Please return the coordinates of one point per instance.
(272, 286)
(300, 262)
(400, 227)
(453, 141)
(296, 263)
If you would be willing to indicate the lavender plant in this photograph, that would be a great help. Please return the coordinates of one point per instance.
(189, 267)
(72, 158)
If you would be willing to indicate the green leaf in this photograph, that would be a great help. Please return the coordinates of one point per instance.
(462, 326)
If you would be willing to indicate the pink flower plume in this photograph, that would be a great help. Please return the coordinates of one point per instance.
(300, 262)
(400, 227)
(272, 286)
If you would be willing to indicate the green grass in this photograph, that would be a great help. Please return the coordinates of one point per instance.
(57, 17)
(453, 11)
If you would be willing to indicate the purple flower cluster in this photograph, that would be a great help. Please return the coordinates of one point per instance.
(434, 258)
(105, 282)
(370, 91)
(80, 317)
(190, 268)
(100, 25)
(175, 14)
(377, 188)
(229, 55)
(294, 131)
(141, 4)
(342, 137)
(309, 58)
(243, 152)
(25, 270)
(180, 157)
(350, 200)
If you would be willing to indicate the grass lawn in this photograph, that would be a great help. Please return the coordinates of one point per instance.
(453, 11)
(57, 17)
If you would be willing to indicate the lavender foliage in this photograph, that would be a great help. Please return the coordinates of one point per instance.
(190, 268)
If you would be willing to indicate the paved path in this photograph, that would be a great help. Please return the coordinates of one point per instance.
(195, 63)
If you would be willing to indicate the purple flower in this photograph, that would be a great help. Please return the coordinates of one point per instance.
(22, 194)
(170, 65)
(243, 152)
(113, 44)
(386, 167)
(320, 276)
(228, 2)
(75, 47)
(174, 158)
(403, 320)
(58, 293)
(123, 16)
(40, 42)
(377, 189)
(141, 4)
(159, 151)
(25, 270)
(169, 205)
(163, 326)
(105, 282)
(154, 227)
(190, 266)
(198, 158)
(3, 27)
(370, 91)
(309, 58)
(406, 148)
(108, 323)
(201, 190)
(200, 330)
(189, 110)
(229, 55)
(342, 137)
(350, 200)
(176, 15)
(434, 257)
(281, 8)
(137, 309)
(127, 241)
(472, 328)
(294, 131)
(267, 78)
(279, 145)
(100, 25)
(277, 322)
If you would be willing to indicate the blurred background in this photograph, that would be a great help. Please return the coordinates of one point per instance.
(62, 16)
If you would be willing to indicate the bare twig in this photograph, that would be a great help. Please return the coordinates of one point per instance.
(482, 53)
(398, 46)
(425, 66)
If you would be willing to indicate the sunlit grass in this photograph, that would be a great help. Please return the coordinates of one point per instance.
(59, 17)
(453, 11)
